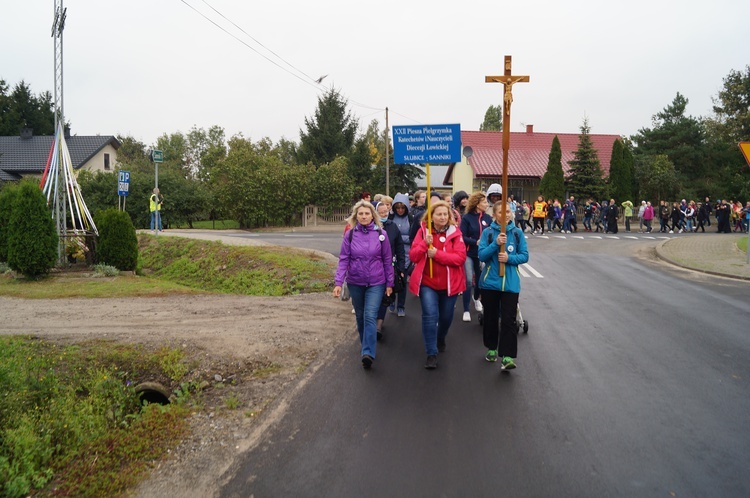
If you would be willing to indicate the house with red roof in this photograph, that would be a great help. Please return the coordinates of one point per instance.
(527, 160)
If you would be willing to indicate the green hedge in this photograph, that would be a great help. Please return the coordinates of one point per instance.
(117, 244)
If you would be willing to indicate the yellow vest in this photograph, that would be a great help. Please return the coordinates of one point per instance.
(154, 205)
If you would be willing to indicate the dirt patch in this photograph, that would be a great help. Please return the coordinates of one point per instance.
(261, 349)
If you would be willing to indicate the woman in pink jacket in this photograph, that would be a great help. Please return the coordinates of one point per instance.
(648, 216)
(437, 285)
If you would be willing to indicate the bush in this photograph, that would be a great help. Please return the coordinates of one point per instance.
(7, 195)
(32, 236)
(117, 245)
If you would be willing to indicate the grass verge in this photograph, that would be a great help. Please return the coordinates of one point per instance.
(71, 423)
(174, 265)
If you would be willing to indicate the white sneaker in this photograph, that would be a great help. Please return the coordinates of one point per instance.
(671, 231)
(467, 316)
(478, 306)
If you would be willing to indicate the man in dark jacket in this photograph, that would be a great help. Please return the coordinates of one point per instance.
(613, 215)
(397, 251)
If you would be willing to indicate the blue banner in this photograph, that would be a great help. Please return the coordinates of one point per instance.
(437, 144)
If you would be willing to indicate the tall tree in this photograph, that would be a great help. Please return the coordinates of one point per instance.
(204, 149)
(620, 179)
(22, 109)
(174, 147)
(552, 185)
(586, 177)
(680, 137)
(493, 119)
(657, 177)
(329, 133)
(732, 106)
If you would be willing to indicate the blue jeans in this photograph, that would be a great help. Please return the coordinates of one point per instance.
(437, 316)
(471, 268)
(155, 215)
(366, 302)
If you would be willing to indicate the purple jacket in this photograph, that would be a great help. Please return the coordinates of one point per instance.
(367, 259)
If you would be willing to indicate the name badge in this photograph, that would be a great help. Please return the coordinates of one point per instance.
(510, 248)
(442, 239)
(382, 237)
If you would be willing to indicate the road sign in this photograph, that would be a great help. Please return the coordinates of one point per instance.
(157, 156)
(437, 144)
(123, 183)
(745, 148)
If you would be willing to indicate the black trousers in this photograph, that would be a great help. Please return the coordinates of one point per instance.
(502, 306)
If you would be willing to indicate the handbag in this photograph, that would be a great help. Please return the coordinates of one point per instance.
(399, 283)
(345, 296)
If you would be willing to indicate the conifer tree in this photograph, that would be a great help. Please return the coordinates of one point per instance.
(586, 179)
(552, 185)
(620, 179)
(32, 236)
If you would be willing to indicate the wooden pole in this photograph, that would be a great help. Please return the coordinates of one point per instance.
(429, 214)
(508, 80)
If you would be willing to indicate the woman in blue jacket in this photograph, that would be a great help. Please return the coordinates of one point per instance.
(365, 263)
(473, 223)
(500, 294)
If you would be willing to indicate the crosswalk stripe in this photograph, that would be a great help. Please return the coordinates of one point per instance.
(613, 237)
(530, 269)
(631, 237)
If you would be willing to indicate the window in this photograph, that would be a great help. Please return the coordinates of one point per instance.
(106, 161)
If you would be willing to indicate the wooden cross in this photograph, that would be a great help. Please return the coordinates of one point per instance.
(508, 81)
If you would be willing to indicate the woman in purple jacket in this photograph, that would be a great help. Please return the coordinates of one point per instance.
(365, 264)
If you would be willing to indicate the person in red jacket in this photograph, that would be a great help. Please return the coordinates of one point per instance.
(438, 284)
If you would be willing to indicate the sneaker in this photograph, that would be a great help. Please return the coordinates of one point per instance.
(467, 316)
(431, 362)
(679, 231)
(508, 363)
(392, 308)
(441, 345)
(491, 355)
(671, 231)
(401, 312)
(478, 306)
(367, 361)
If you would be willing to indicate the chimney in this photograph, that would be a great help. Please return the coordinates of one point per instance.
(66, 131)
(27, 133)
(530, 128)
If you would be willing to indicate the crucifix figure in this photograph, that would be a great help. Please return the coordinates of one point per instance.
(508, 81)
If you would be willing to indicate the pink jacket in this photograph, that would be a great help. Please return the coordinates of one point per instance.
(452, 257)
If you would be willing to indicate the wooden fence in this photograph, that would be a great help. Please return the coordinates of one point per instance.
(314, 216)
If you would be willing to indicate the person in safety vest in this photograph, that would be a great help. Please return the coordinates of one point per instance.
(155, 203)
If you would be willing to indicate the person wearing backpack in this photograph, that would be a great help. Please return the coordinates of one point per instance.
(397, 258)
(473, 223)
(365, 263)
(500, 294)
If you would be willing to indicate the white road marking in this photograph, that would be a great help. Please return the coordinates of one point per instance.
(613, 237)
(631, 237)
(532, 270)
(300, 236)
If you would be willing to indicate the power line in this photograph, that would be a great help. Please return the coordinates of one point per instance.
(250, 47)
(315, 83)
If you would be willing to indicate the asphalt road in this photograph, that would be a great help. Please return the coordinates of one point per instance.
(632, 381)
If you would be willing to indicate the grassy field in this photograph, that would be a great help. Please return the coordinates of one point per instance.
(71, 423)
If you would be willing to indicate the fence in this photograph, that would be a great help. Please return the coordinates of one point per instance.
(314, 216)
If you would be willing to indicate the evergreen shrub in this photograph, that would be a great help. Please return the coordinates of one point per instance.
(7, 195)
(32, 236)
(117, 244)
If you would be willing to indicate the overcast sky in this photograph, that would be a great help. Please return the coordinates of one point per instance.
(144, 68)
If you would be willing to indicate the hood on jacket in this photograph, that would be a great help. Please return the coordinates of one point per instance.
(403, 199)
(458, 197)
